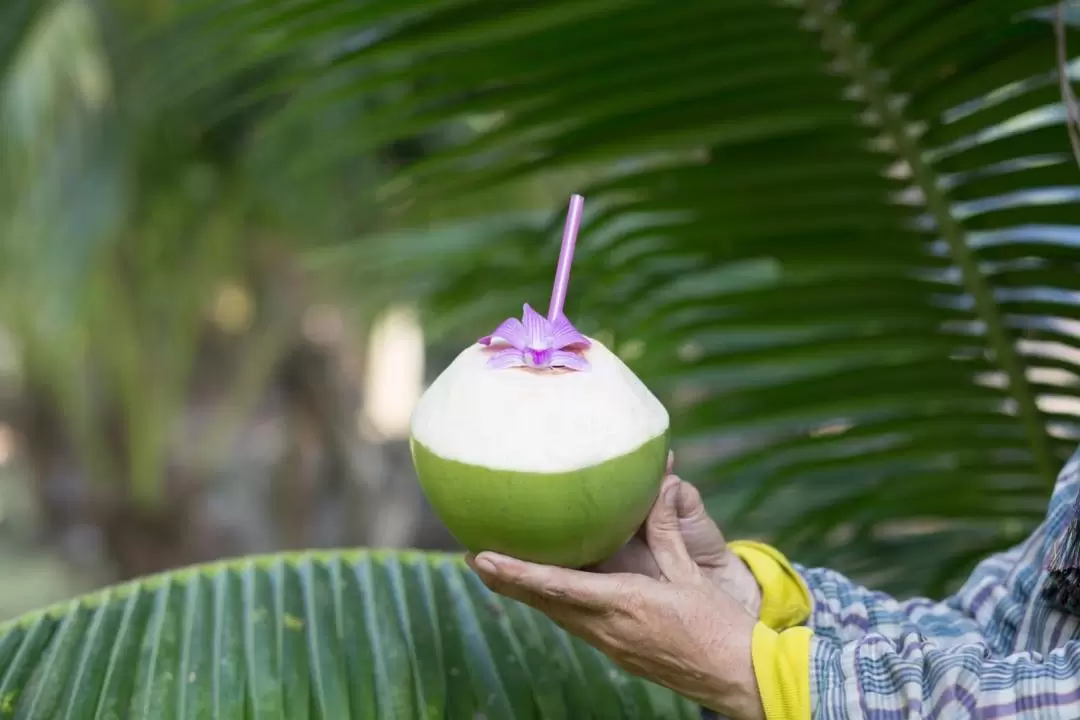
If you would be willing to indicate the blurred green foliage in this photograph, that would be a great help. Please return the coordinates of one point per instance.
(839, 239)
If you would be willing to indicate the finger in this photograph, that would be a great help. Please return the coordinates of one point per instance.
(513, 577)
(496, 585)
(665, 535)
(690, 506)
(634, 557)
(702, 536)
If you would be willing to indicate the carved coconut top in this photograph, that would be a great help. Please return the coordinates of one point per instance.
(537, 420)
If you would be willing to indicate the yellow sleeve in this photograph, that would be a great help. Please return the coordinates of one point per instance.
(785, 599)
(782, 668)
(779, 649)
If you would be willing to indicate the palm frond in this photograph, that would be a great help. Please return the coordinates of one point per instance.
(905, 165)
(328, 635)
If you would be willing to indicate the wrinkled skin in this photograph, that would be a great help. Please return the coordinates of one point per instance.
(660, 609)
(704, 543)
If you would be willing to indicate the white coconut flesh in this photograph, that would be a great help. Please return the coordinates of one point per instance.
(535, 420)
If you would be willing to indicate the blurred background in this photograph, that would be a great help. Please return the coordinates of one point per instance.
(238, 237)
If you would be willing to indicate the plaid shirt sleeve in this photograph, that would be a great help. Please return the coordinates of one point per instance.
(881, 678)
(972, 655)
(986, 609)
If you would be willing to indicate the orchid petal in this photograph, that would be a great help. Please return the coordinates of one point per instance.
(511, 331)
(506, 359)
(538, 329)
(570, 360)
(564, 335)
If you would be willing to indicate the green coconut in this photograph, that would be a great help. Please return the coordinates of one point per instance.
(558, 467)
(538, 442)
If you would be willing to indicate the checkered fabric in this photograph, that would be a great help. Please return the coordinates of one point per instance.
(995, 649)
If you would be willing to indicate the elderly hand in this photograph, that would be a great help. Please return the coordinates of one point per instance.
(704, 543)
(676, 627)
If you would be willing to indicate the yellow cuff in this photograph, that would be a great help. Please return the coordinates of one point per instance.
(785, 599)
(782, 668)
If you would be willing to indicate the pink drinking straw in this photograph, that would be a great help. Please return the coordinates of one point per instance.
(566, 257)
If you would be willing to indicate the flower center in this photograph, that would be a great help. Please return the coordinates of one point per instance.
(538, 357)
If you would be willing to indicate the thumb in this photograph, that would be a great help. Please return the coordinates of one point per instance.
(664, 536)
(703, 538)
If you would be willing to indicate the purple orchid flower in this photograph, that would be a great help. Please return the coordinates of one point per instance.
(538, 343)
